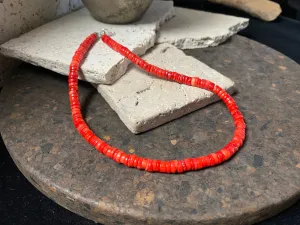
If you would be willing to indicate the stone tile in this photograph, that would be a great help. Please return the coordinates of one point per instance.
(144, 102)
(52, 45)
(198, 29)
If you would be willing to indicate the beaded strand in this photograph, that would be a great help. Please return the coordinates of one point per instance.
(132, 160)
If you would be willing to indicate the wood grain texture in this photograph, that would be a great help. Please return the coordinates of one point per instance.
(263, 9)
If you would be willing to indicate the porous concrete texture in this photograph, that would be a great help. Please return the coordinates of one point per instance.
(20, 16)
(198, 29)
(143, 101)
(52, 45)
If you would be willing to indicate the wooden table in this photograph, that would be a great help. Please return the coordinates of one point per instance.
(262, 179)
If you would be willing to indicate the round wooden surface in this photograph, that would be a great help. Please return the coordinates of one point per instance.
(262, 179)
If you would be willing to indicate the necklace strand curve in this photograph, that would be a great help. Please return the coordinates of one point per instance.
(132, 160)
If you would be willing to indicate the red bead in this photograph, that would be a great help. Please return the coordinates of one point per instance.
(110, 152)
(130, 56)
(208, 85)
(174, 165)
(194, 81)
(84, 131)
(168, 166)
(100, 146)
(141, 63)
(135, 162)
(74, 67)
(149, 166)
(217, 89)
(240, 123)
(139, 163)
(226, 153)
(205, 161)
(197, 82)
(194, 163)
(147, 68)
(131, 160)
(178, 78)
(188, 80)
(232, 107)
(202, 161)
(188, 163)
(154, 70)
(179, 167)
(105, 149)
(213, 159)
(237, 141)
(156, 165)
(80, 127)
(221, 94)
(126, 52)
(89, 135)
(169, 75)
(229, 101)
(237, 115)
(144, 163)
(163, 167)
(123, 158)
(220, 156)
(118, 156)
(160, 72)
(183, 165)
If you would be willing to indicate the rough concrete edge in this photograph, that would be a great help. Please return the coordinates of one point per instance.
(14, 62)
(61, 69)
(29, 59)
(161, 119)
(168, 16)
(118, 70)
(122, 116)
(122, 66)
(192, 43)
(40, 62)
(115, 72)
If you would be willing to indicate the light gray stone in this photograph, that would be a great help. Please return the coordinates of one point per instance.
(117, 11)
(198, 29)
(52, 45)
(143, 101)
(20, 16)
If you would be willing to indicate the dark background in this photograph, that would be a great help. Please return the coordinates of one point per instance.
(22, 204)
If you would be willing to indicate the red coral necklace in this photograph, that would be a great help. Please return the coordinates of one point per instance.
(131, 160)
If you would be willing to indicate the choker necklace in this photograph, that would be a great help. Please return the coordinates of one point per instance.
(131, 160)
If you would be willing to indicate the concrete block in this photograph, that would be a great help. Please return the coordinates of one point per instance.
(143, 101)
(52, 45)
(191, 29)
